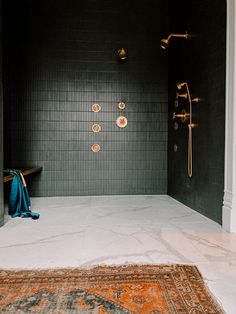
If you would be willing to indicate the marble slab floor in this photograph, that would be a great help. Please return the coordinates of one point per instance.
(86, 231)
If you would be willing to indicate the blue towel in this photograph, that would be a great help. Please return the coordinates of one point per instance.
(19, 201)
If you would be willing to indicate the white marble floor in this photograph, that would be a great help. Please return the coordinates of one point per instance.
(85, 231)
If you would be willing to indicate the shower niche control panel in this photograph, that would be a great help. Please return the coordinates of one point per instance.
(185, 116)
(121, 122)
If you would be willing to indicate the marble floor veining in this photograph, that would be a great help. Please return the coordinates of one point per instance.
(85, 231)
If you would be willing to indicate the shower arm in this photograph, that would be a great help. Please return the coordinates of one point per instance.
(178, 35)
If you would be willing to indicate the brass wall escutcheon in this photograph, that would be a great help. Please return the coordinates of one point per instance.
(96, 107)
(121, 122)
(95, 148)
(176, 126)
(121, 105)
(96, 128)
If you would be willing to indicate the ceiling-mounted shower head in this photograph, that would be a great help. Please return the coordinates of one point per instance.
(165, 41)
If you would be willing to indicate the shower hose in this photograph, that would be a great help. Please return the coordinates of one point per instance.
(190, 137)
(190, 151)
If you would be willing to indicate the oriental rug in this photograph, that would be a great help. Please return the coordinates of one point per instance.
(148, 289)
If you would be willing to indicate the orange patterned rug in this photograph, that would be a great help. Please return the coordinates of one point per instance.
(148, 289)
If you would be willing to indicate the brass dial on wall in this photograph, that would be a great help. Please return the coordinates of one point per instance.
(95, 148)
(96, 107)
(96, 128)
(121, 105)
(121, 122)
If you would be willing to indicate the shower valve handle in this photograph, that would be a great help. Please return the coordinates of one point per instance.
(192, 125)
(196, 99)
(184, 95)
(180, 115)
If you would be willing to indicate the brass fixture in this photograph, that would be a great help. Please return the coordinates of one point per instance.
(180, 85)
(96, 107)
(166, 41)
(191, 125)
(96, 128)
(122, 54)
(121, 122)
(183, 95)
(176, 126)
(175, 148)
(196, 99)
(95, 148)
(121, 105)
(183, 115)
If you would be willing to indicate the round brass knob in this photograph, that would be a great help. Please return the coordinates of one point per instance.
(96, 107)
(95, 148)
(121, 105)
(121, 122)
(96, 128)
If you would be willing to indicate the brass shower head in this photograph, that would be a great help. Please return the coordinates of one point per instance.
(122, 54)
(166, 41)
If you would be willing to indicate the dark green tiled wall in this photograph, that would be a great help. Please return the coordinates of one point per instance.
(60, 58)
(200, 61)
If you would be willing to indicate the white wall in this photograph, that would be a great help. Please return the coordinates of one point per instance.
(229, 203)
